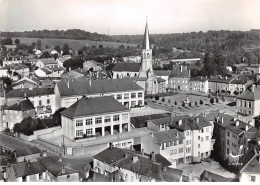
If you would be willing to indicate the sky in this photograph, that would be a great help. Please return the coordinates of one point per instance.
(127, 17)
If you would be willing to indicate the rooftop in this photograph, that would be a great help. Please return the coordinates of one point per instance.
(21, 93)
(47, 61)
(127, 66)
(27, 168)
(161, 72)
(252, 93)
(167, 136)
(250, 161)
(21, 106)
(27, 151)
(237, 128)
(100, 86)
(92, 106)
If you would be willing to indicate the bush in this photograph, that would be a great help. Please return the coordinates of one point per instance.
(229, 92)
(196, 103)
(223, 91)
(169, 101)
(201, 102)
(156, 97)
(236, 93)
(190, 104)
(211, 100)
(217, 100)
(175, 102)
(163, 99)
(183, 104)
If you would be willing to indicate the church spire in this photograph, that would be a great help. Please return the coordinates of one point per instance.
(146, 43)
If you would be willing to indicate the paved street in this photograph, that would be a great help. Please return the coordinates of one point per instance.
(12, 142)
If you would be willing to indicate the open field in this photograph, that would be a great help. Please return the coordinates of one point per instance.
(74, 44)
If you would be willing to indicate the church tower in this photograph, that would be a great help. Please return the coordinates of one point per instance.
(146, 55)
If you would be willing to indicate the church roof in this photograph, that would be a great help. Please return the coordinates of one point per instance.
(146, 43)
(127, 66)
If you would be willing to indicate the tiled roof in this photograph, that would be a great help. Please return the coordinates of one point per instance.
(160, 79)
(27, 168)
(198, 79)
(81, 71)
(240, 80)
(21, 106)
(29, 93)
(48, 61)
(92, 106)
(16, 66)
(167, 136)
(190, 123)
(227, 119)
(161, 72)
(250, 133)
(46, 70)
(54, 166)
(97, 86)
(27, 151)
(213, 177)
(171, 175)
(26, 80)
(220, 79)
(127, 66)
(168, 120)
(249, 95)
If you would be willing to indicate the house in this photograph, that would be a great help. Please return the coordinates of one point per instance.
(74, 74)
(250, 139)
(61, 59)
(10, 47)
(208, 176)
(47, 62)
(131, 166)
(239, 84)
(164, 74)
(254, 68)
(21, 69)
(169, 143)
(56, 71)
(126, 69)
(95, 117)
(179, 78)
(248, 103)
(87, 65)
(31, 153)
(43, 72)
(3, 72)
(26, 172)
(16, 112)
(43, 99)
(57, 170)
(11, 60)
(218, 84)
(199, 84)
(123, 90)
(26, 82)
(47, 83)
(249, 170)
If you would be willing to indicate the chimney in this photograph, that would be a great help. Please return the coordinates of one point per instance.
(253, 88)
(142, 152)
(60, 159)
(180, 122)
(237, 123)
(152, 156)
(62, 169)
(28, 164)
(44, 153)
(68, 83)
(217, 118)
(181, 68)
(25, 95)
(197, 120)
(135, 158)
(222, 119)
(90, 82)
(110, 146)
(246, 127)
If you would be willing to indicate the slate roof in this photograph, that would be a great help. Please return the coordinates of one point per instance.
(240, 80)
(21, 106)
(23, 169)
(47, 61)
(213, 177)
(249, 95)
(26, 80)
(198, 79)
(54, 166)
(220, 79)
(251, 133)
(160, 79)
(172, 175)
(27, 151)
(80, 87)
(161, 72)
(143, 166)
(92, 106)
(190, 123)
(168, 120)
(16, 66)
(167, 136)
(237, 129)
(127, 66)
(250, 161)
(46, 70)
(29, 93)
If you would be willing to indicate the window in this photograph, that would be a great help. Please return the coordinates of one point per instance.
(228, 133)
(48, 101)
(181, 141)
(207, 129)
(140, 95)
(24, 178)
(89, 132)
(187, 142)
(241, 103)
(202, 139)
(40, 102)
(133, 95)
(249, 104)
(167, 144)
(116, 118)
(180, 150)
(171, 152)
(249, 112)
(107, 119)
(98, 120)
(79, 123)
(125, 117)
(175, 143)
(245, 103)
(133, 103)
(68, 176)
(119, 96)
(252, 178)
(207, 138)
(187, 133)
(175, 151)
(126, 96)
(79, 133)
(198, 137)
(162, 125)
(40, 176)
(227, 151)
(198, 145)
(89, 121)
(140, 102)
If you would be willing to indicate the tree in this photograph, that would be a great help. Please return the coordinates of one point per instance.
(57, 48)
(45, 54)
(196, 103)
(211, 100)
(169, 100)
(236, 93)
(163, 99)
(17, 41)
(65, 49)
(217, 100)
(57, 116)
(201, 102)
(91, 69)
(7, 41)
(151, 96)
(39, 44)
(156, 97)
(183, 104)
(190, 104)
(175, 103)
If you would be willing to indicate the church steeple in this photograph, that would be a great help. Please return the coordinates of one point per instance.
(146, 43)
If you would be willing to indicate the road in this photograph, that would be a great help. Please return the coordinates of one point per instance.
(12, 142)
